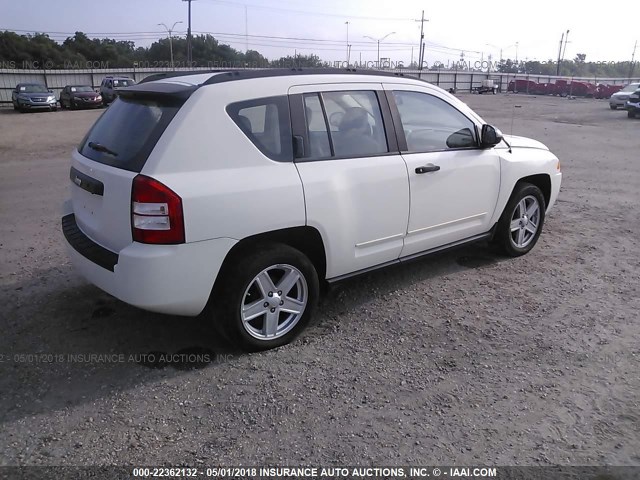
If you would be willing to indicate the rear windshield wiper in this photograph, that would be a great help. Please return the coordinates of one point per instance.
(101, 148)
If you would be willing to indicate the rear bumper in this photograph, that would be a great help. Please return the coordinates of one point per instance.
(172, 279)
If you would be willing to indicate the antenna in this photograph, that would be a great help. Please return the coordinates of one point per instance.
(513, 116)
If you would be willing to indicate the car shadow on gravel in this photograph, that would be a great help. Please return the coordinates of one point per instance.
(63, 346)
(353, 293)
(67, 346)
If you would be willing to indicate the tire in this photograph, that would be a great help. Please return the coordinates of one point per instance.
(249, 280)
(613, 107)
(631, 113)
(516, 235)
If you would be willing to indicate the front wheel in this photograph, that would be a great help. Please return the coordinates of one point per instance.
(613, 107)
(266, 298)
(521, 222)
(631, 114)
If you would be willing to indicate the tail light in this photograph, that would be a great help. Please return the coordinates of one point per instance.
(156, 212)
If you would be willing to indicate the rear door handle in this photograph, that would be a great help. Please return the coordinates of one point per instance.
(429, 167)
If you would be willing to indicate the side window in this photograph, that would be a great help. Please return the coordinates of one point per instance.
(355, 123)
(431, 124)
(267, 124)
(319, 146)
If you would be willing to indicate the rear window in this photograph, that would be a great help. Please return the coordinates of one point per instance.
(126, 133)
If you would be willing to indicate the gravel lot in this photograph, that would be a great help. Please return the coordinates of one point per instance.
(463, 358)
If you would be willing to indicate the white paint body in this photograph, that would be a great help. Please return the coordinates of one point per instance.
(368, 211)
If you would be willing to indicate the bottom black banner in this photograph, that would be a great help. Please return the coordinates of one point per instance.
(322, 473)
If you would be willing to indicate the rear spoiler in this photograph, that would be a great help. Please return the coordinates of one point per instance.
(160, 90)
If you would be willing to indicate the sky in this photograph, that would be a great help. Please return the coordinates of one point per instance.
(478, 29)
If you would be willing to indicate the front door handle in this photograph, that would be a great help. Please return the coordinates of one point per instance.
(429, 167)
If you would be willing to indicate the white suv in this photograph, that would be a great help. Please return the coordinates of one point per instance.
(240, 191)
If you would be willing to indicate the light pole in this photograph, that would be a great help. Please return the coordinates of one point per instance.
(378, 40)
(170, 30)
(502, 48)
(348, 49)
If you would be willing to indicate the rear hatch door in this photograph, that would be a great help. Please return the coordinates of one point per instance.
(113, 153)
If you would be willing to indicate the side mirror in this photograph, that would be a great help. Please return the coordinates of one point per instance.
(491, 136)
(50, 91)
(461, 139)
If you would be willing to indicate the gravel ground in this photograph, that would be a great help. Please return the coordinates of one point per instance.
(462, 358)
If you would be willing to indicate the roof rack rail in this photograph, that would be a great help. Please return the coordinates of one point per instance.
(162, 75)
(281, 72)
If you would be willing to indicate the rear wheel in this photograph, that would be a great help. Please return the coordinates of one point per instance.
(266, 298)
(521, 222)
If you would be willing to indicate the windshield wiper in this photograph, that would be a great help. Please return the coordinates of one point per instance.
(101, 148)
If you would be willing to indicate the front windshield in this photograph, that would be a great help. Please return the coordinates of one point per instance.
(122, 83)
(33, 89)
(631, 88)
(81, 89)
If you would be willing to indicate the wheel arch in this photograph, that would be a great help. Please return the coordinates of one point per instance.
(540, 180)
(304, 238)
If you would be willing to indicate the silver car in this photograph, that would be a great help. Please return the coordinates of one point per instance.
(619, 99)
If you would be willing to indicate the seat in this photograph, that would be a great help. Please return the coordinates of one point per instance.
(355, 136)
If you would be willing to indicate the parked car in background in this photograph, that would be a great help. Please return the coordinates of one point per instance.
(633, 104)
(233, 194)
(79, 96)
(619, 99)
(110, 85)
(33, 96)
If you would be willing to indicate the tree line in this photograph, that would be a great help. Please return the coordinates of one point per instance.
(80, 51)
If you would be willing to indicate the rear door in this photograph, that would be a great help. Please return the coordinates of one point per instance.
(355, 181)
(106, 162)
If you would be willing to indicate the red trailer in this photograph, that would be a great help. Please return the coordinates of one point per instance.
(605, 91)
(582, 89)
(521, 86)
(561, 87)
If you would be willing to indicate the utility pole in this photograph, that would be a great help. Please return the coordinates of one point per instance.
(246, 30)
(559, 55)
(632, 67)
(566, 40)
(189, 53)
(421, 52)
(170, 30)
